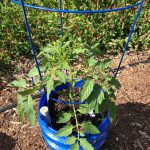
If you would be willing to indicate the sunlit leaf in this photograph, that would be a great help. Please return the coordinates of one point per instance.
(86, 89)
(61, 76)
(70, 140)
(92, 61)
(33, 72)
(90, 128)
(28, 91)
(65, 131)
(64, 117)
(100, 97)
(18, 83)
(75, 146)
(49, 87)
(105, 64)
(85, 144)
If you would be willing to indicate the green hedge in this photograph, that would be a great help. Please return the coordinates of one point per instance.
(109, 30)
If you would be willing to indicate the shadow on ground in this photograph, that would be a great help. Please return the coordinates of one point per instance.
(6, 142)
(131, 130)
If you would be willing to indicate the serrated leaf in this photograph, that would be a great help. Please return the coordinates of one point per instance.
(64, 117)
(65, 131)
(92, 61)
(61, 76)
(92, 99)
(20, 107)
(104, 106)
(66, 66)
(115, 82)
(21, 98)
(28, 91)
(112, 111)
(49, 87)
(79, 50)
(33, 72)
(82, 134)
(20, 112)
(29, 111)
(70, 140)
(75, 146)
(105, 64)
(18, 83)
(82, 110)
(91, 105)
(32, 118)
(30, 106)
(90, 128)
(86, 89)
(85, 144)
(100, 97)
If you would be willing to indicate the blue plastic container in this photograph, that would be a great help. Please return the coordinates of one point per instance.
(57, 143)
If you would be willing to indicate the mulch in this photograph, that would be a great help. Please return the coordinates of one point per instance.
(131, 131)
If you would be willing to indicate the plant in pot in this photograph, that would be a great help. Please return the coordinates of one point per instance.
(79, 95)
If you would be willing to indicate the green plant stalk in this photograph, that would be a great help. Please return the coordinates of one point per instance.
(71, 99)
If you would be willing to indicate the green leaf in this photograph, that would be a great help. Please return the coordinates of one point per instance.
(82, 110)
(100, 97)
(104, 106)
(21, 98)
(29, 110)
(90, 128)
(32, 118)
(70, 140)
(64, 117)
(79, 50)
(18, 83)
(30, 103)
(65, 131)
(115, 82)
(20, 107)
(112, 111)
(85, 144)
(61, 76)
(91, 105)
(66, 65)
(92, 61)
(49, 87)
(75, 146)
(105, 64)
(87, 89)
(33, 72)
(28, 91)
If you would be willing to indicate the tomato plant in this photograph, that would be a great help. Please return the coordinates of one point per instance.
(81, 61)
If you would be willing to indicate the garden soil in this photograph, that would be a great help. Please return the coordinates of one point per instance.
(131, 130)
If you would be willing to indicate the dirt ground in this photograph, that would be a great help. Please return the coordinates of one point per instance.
(131, 131)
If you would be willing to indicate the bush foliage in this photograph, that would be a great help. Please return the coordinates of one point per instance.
(109, 29)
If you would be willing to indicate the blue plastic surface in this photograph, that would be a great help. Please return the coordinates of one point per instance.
(57, 143)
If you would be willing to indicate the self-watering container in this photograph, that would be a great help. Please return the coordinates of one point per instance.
(57, 143)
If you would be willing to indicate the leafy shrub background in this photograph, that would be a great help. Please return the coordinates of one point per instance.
(110, 29)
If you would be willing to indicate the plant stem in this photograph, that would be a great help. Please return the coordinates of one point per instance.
(73, 106)
(77, 125)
